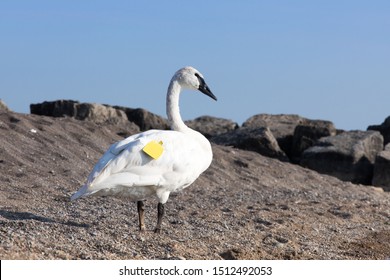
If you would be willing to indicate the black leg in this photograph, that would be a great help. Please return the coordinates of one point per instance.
(141, 215)
(160, 214)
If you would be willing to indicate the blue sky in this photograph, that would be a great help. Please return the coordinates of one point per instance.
(319, 59)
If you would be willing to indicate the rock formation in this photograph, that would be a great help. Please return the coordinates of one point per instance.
(3, 106)
(98, 113)
(383, 128)
(382, 169)
(212, 126)
(144, 119)
(282, 127)
(259, 140)
(307, 134)
(349, 156)
(82, 111)
(314, 144)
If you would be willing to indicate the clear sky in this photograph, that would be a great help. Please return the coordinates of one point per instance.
(319, 59)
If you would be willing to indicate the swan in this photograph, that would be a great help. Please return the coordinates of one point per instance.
(155, 162)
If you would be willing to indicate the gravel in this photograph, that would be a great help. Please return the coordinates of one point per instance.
(245, 206)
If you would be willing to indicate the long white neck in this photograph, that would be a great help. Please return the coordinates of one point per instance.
(173, 110)
(176, 123)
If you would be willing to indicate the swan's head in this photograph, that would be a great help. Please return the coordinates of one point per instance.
(189, 77)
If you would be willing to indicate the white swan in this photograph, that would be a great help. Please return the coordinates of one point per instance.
(126, 168)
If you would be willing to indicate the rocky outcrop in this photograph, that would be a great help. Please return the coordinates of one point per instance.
(307, 134)
(259, 140)
(282, 127)
(382, 169)
(349, 156)
(293, 132)
(144, 119)
(211, 126)
(315, 144)
(82, 111)
(3, 106)
(58, 108)
(100, 113)
(383, 128)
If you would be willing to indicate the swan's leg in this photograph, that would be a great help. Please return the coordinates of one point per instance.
(141, 215)
(160, 214)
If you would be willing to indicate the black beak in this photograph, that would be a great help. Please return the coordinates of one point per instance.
(203, 87)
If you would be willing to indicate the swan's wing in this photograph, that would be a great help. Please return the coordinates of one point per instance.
(114, 151)
(125, 165)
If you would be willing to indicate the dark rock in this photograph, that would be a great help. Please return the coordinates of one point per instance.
(382, 169)
(306, 135)
(100, 114)
(384, 129)
(211, 126)
(349, 156)
(58, 108)
(259, 140)
(82, 111)
(144, 119)
(282, 127)
(13, 119)
(232, 254)
(3, 106)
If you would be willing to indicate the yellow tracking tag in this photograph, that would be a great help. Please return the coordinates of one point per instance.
(154, 149)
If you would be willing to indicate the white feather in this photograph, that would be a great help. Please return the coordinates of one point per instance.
(126, 170)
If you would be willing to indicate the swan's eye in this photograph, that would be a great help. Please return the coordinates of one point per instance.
(200, 79)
